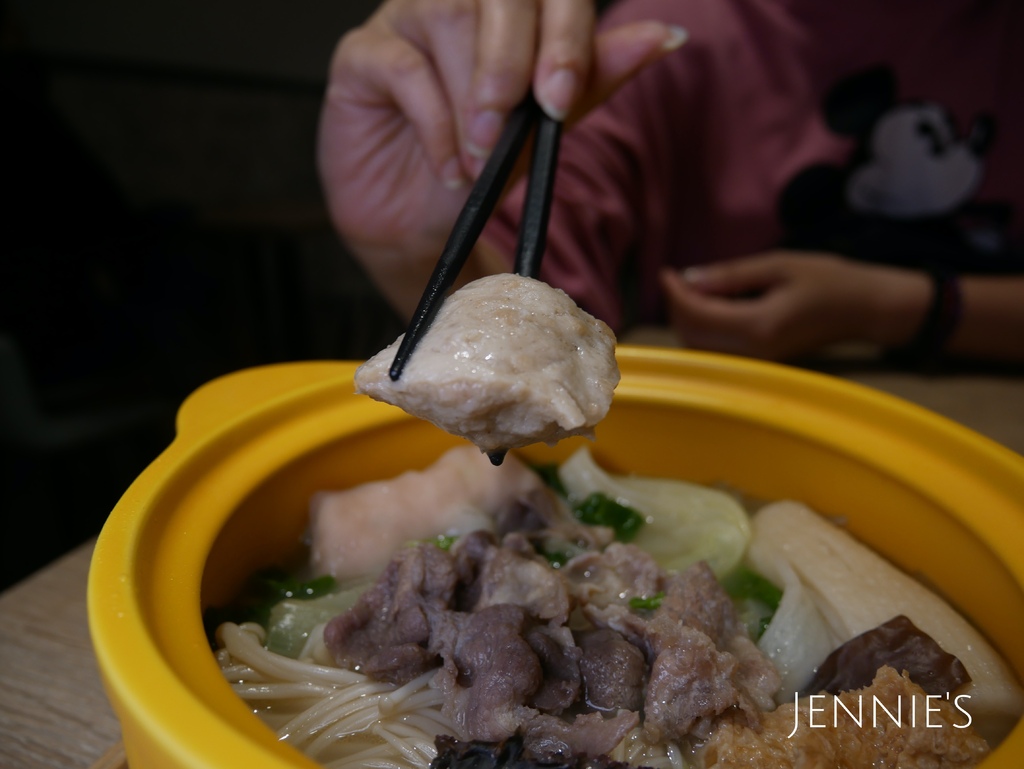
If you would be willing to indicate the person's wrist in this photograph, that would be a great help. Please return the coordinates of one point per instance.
(940, 321)
(898, 302)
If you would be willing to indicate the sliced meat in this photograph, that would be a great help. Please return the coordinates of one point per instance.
(690, 684)
(548, 523)
(613, 671)
(510, 572)
(470, 552)
(494, 618)
(695, 598)
(490, 673)
(387, 633)
(623, 620)
(592, 734)
(702, 662)
(614, 576)
(537, 511)
(756, 676)
(559, 658)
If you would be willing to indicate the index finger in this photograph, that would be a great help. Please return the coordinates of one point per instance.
(506, 51)
(565, 54)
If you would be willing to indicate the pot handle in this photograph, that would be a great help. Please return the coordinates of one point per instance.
(228, 397)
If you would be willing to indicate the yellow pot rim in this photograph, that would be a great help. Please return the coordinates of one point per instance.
(253, 420)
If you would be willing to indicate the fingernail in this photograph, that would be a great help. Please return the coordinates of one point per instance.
(451, 174)
(556, 93)
(676, 37)
(482, 132)
(694, 274)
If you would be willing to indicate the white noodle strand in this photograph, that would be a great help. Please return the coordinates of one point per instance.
(339, 717)
(345, 720)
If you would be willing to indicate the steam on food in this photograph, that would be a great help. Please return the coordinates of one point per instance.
(507, 362)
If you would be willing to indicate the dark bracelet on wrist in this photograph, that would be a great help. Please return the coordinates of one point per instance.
(940, 321)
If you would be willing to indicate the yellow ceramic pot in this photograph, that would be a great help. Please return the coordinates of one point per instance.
(230, 495)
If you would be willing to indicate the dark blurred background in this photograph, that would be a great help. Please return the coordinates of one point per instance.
(163, 225)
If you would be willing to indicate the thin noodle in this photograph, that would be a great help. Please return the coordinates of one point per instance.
(419, 740)
(297, 690)
(331, 709)
(429, 723)
(377, 756)
(345, 720)
(398, 744)
(339, 717)
(245, 643)
(401, 698)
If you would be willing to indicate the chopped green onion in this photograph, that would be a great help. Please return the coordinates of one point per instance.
(599, 509)
(264, 590)
(557, 558)
(743, 582)
(756, 598)
(444, 541)
(646, 602)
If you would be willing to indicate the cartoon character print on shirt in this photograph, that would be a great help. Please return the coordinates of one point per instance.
(907, 193)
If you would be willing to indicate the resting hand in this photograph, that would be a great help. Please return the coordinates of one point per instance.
(784, 304)
(417, 97)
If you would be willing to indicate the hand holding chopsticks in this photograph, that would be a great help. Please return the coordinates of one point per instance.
(481, 202)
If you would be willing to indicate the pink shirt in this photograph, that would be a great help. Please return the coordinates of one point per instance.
(761, 112)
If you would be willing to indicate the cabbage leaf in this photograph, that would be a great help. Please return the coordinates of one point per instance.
(292, 620)
(684, 522)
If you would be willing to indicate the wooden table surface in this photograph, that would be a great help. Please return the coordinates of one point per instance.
(53, 712)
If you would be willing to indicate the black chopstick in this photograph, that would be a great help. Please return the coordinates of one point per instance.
(533, 229)
(482, 199)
